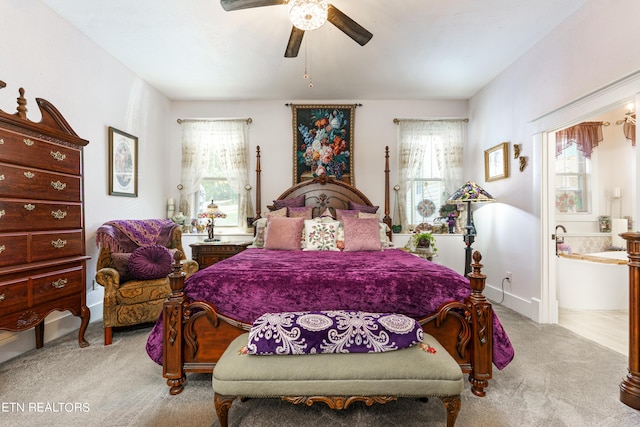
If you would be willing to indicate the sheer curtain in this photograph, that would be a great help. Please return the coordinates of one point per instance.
(417, 141)
(227, 140)
(586, 135)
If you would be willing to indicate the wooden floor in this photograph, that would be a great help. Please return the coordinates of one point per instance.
(609, 328)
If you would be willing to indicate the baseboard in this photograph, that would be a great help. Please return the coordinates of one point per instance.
(56, 325)
(528, 308)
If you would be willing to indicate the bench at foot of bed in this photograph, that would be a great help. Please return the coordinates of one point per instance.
(339, 380)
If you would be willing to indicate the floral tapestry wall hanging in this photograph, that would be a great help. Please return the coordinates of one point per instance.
(323, 142)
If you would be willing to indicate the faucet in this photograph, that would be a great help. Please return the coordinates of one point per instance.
(557, 238)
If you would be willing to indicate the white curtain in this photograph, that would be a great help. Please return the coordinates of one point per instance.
(416, 138)
(227, 140)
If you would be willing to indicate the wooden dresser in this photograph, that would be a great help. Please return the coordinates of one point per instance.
(42, 244)
(208, 253)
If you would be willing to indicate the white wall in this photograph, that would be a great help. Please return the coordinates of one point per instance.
(51, 60)
(591, 49)
(272, 130)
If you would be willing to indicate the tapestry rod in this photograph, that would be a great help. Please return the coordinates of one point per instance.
(396, 121)
(180, 121)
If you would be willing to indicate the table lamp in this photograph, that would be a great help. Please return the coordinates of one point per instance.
(212, 212)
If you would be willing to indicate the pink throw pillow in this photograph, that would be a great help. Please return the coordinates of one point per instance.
(361, 234)
(304, 212)
(284, 233)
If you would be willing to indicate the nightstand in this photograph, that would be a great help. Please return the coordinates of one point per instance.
(208, 253)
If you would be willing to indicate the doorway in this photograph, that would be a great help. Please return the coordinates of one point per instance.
(609, 100)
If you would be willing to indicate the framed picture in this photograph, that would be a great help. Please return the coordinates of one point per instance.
(323, 142)
(123, 163)
(496, 164)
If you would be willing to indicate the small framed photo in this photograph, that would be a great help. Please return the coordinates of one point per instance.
(123, 163)
(604, 223)
(496, 164)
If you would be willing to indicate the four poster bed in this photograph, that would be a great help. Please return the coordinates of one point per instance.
(207, 311)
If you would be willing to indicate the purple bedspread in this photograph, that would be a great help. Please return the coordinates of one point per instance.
(258, 281)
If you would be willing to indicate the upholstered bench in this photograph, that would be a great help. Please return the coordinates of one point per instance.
(338, 379)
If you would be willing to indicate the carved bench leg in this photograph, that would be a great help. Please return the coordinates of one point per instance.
(452, 406)
(223, 404)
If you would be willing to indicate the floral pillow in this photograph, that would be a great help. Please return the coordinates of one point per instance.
(320, 235)
(335, 331)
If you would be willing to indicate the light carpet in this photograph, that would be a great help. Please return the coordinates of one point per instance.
(556, 379)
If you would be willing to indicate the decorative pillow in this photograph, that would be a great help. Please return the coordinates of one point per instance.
(261, 228)
(120, 262)
(327, 214)
(277, 212)
(303, 212)
(368, 215)
(320, 235)
(150, 262)
(337, 331)
(283, 233)
(362, 234)
(344, 213)
(295, 202)
(363, 208)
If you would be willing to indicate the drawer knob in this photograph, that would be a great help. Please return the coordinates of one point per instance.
(29, 207)
(1, 177)
(2, 213)
(58, 155)
(2, 297)
(2, 248)
(58, 244)
(1, 141)
(59, 214)
(58, 185)
(28, 142)
(59, 284)
(29, 174)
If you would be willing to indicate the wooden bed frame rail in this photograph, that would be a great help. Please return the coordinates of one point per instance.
(195, 335)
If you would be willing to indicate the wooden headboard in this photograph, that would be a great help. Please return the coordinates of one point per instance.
(325, 192)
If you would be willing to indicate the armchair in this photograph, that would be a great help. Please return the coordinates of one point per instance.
(129, 299)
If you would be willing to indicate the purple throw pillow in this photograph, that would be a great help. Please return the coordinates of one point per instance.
(362, 208)
(295, 202)
(150, 262)
(335, 331)
(120, 262)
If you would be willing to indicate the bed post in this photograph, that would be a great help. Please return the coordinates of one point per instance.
(172, 312)
(482, 329)
(258, 189)
(387, 219)
(630, 384)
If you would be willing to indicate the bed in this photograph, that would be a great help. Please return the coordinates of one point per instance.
(212, 307)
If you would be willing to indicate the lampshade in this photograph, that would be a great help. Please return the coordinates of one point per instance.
(212, 211)
(470, 192)
(308, 14)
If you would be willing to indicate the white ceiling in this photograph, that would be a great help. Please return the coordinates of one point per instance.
(194, 50)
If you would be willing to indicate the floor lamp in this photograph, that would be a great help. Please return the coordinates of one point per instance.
(469, 193)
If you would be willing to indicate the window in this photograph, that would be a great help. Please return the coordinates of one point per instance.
(430, 156)
(215, 167)
(573, 177)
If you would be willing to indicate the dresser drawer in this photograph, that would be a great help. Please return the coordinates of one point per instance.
(14, 296)
(30, 215)
(57, 285)
(34, 152)
(56, 245)
(20, 182)
(13, 249)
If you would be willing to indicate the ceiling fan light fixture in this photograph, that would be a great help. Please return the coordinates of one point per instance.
(308, 15)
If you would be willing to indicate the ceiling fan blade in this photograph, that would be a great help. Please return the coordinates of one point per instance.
(230, 5)
(295, 40)
(348, 26)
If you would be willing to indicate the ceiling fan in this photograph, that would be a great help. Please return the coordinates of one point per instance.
(304, 10)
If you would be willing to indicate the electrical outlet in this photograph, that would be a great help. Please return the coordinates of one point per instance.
(508, 276)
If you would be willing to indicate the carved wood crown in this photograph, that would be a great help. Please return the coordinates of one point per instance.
(52, 124)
